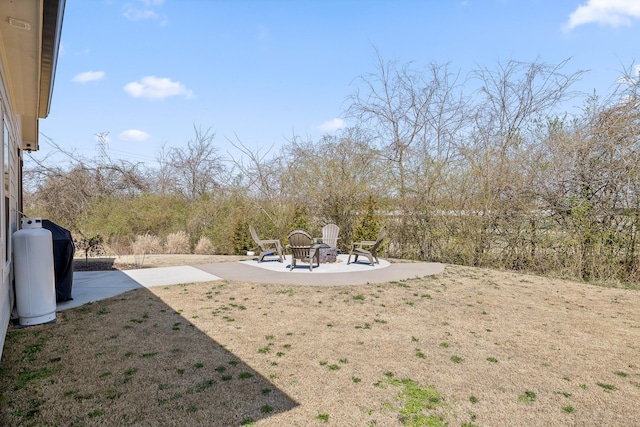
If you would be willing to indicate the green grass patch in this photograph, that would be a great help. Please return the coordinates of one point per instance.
(323, 417)
(204, 385)
(417, 403)
(456, 359)
(527, 397)
(30, 351)
(147, 355)
(608, 387)
(365, 326)
(26, 376)
(95, 414)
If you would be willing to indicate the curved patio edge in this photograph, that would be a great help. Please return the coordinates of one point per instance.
(394, 272)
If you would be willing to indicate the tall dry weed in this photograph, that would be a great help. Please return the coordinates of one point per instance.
(204, 247)
(118, 246)
(177, 243)
(143, 245)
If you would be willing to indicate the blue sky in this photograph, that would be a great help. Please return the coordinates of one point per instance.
(146, 71)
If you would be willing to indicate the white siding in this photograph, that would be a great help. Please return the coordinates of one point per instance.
(9, 137)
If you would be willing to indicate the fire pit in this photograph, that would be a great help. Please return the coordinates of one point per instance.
(327, 253)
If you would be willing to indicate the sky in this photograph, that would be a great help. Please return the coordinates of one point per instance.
(144, 73)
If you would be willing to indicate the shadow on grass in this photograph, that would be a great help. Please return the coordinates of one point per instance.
(131, 359)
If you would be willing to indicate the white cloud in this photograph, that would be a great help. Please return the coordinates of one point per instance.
(152, 2)
(133, 135)
(133, 12)
(88, 76)
(332, 125)
(615, 13)
(632, 78)
(626, 81)
(139, 14)
(153, 87)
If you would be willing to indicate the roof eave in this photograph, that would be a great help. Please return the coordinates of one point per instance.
(30, 33)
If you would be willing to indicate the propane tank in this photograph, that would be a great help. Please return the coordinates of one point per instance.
(34, 273)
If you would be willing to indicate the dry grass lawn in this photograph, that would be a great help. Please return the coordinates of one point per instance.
(469, 347)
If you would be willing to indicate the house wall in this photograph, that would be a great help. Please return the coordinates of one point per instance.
(10, 164)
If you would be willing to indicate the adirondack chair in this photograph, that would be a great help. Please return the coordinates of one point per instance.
(330, 235)
(301, 245)
(267, 247)
(358, 248)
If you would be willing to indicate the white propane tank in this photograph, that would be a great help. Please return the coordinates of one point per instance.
(34, 273)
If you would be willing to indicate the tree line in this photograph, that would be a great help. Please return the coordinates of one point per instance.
(488, 169)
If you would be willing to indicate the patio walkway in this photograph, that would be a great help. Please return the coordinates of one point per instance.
(89, 286)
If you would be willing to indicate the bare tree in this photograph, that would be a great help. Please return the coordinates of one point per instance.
(509, 100)
(415, 117)
(259, 171)
(393, 105)
(65, 190)
(594, 190)
(162, 174)
(337, 173)
(197, 169)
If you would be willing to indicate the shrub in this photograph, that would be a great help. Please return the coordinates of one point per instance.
(300, 218)
(177, 243)
(204, 247)
(369, 224)
(90, 245)
(242, 240)
(147, 244)
(118, 246)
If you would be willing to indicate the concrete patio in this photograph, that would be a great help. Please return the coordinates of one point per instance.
(97, 285)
